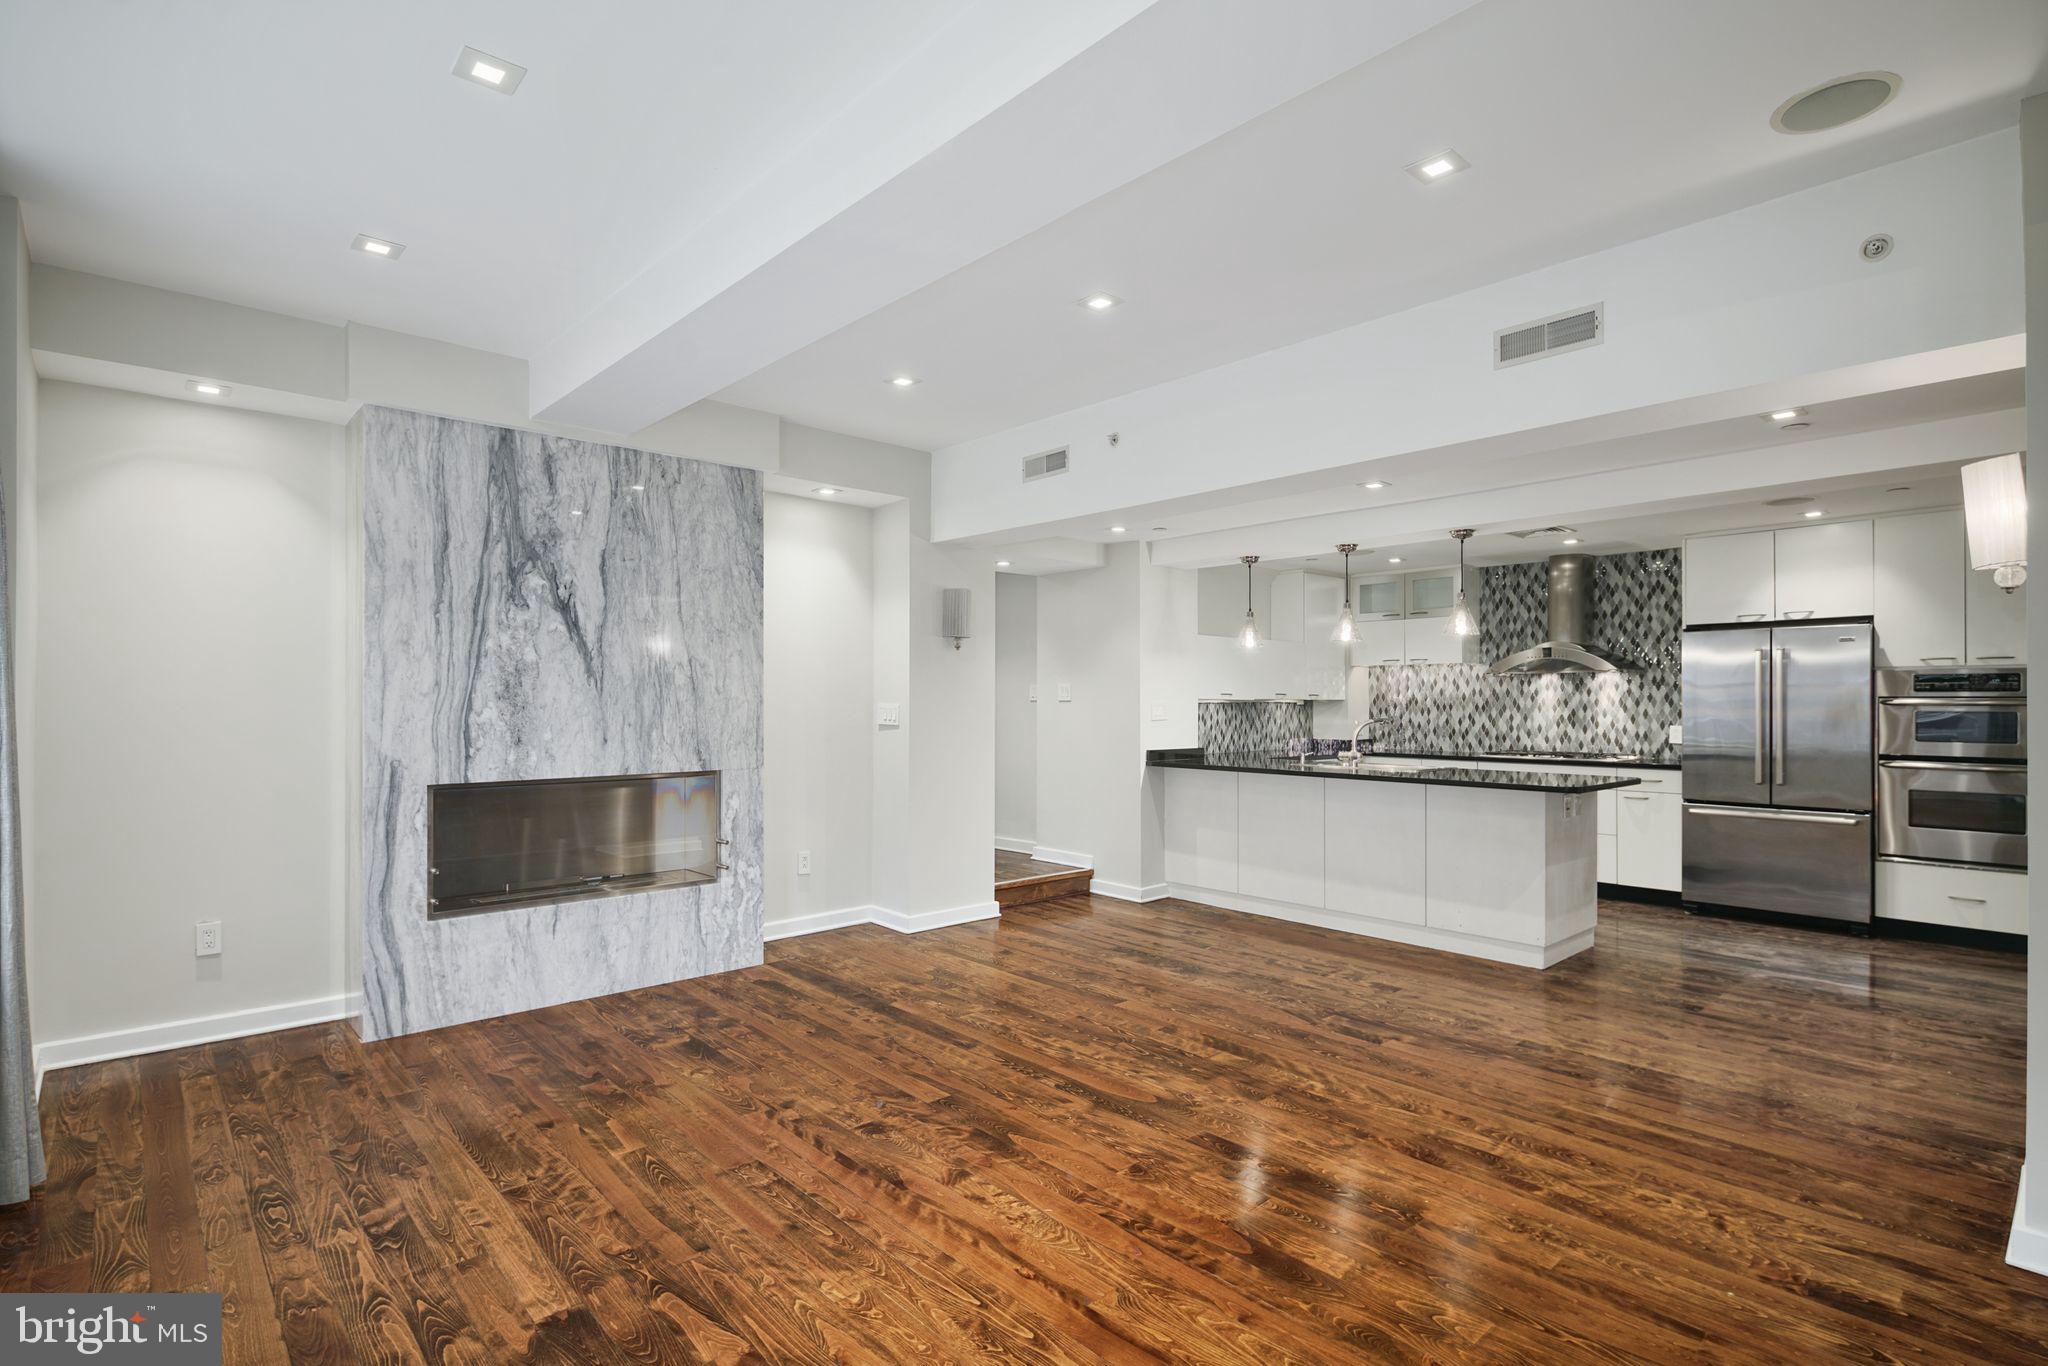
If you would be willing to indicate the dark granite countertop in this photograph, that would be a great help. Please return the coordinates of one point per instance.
(1447, 775)
(1663, 758)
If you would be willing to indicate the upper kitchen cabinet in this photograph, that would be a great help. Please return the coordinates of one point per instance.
(1381, 642)
(1791, 575)
(1428, 643)
(1823, 571)
(1918, 588)
(1994, 621)
(1729, 578)
(1431, 592)
(1382, 597)
(1322, 598)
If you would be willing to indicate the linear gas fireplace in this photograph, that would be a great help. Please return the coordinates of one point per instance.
(491, 846)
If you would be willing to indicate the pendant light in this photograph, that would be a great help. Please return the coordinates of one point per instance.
(1347, 625)
(1248, 634)
(1462, 622)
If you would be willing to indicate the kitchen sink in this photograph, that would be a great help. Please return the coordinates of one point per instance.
(1370, 763)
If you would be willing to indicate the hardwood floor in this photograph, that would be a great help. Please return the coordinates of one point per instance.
(1099, 1131)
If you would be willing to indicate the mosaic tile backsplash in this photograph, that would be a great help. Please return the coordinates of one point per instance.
(1635, 614)
(1452, 708)
(1251, 727)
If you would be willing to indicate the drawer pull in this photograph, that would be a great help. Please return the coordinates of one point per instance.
(1631, 797)
(1998, 656)
(1973, 900)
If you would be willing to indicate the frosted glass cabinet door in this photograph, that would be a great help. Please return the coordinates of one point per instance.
(1430, 594)
(1918, 588)
(1379, 599)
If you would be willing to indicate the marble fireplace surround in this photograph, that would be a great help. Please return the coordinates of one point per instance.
(539, 607)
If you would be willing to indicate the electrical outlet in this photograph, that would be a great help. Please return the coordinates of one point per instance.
(803, 863)
(207, 939)
(1066, 692)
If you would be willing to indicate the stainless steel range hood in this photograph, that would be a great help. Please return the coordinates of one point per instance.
(1567, 651)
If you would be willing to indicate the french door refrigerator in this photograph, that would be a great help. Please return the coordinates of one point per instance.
(1779, 781)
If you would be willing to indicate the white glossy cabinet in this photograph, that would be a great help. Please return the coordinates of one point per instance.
(1322, 598)
(1994, 621)
(1729, 578)
(1373, 850)
(1918, 588)
(1381, 642)
(1428, 643)
(1647, 850)
(1822, 570)
(1945, 894)
(1201, 828)
(1279, 838)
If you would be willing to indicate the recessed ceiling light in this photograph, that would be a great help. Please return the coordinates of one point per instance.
(1843, 100)
(1393, 559)
(904, 381)
(1100, 303)
(207, 387)
(378, 246)
(1116, 531)
(1571, 540)
(1438, 166)
(1002, 564)
(1784, 415)
(1374, 484)
(823, 492)
(639, 488)
(1814, 512)
(492, 73)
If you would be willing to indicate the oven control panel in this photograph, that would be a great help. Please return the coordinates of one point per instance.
(1999, 682)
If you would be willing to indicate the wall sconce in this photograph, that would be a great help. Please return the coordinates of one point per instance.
(1995, 509)
(953, 615)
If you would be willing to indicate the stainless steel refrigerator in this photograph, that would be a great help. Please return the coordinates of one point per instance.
(1779, 775)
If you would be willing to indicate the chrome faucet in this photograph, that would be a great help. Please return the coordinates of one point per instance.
(1366, 724)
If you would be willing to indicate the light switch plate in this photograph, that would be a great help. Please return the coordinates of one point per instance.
(1158, 711)
(1034, 692)
(803, 863)
(888, 713)
(1066, 692)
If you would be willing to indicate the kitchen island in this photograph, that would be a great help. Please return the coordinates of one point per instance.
(1491, 863)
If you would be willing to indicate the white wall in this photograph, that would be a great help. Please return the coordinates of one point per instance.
(18, 395)
(1090, 758)
(1016, 622)
(191, 753)
(819, 680)
(2029, 1246)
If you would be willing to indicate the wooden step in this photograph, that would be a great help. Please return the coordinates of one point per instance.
(1044, 887)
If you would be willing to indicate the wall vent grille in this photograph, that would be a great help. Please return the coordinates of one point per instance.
(1550, 336)
(1045, 464)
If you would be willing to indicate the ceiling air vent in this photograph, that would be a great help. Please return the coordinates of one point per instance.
(1543, 531)
(1046, 465)
(1549, 336)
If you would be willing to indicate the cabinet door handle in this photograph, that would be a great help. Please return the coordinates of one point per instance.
(1631, 797)
(1797, 616)
(1973, 900)
(1749, 616)
(1998, 656)
(1937, 659)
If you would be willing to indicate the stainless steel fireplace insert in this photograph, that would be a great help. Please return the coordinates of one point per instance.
(491, 846)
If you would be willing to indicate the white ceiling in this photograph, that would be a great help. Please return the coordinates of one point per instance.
(1587, 122)
(232, 148)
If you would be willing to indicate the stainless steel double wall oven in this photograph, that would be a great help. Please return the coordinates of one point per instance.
(1952, 766)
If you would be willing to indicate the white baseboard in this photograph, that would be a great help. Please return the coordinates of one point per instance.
(1071, 858)
(1010, 844)
(906, 923)
(799, 925)
(235, 1024)
(1123, 891)
(1471, 945)
(900, 921)
(2027, 1248)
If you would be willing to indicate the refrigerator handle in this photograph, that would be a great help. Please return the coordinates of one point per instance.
(1778, 716)
(1756, 772)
